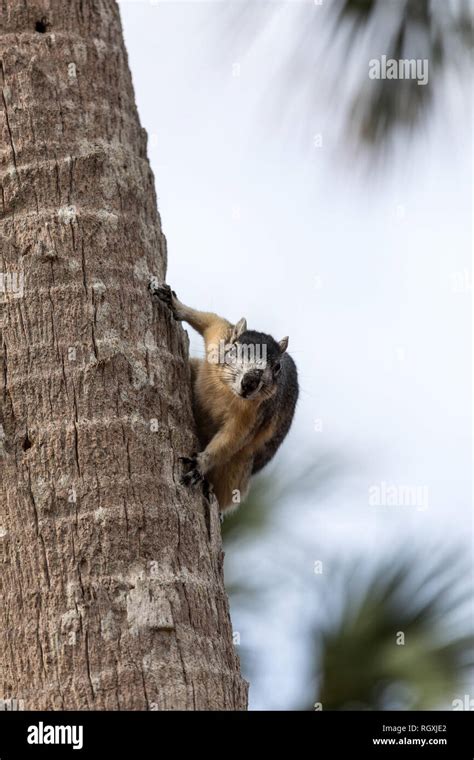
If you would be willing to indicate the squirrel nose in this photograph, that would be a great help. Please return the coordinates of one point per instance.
(251, 381)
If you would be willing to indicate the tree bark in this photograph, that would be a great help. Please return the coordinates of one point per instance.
(111, 584)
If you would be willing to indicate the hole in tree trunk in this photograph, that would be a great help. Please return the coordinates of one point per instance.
(26, 443)
(41, 26)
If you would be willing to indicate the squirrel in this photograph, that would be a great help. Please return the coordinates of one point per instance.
(244, 398)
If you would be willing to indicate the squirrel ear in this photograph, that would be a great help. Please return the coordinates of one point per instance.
(239, 328)
(283, 343)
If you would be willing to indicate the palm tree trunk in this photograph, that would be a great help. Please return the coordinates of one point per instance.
(111, 587)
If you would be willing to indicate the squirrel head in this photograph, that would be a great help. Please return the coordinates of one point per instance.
(252, 362)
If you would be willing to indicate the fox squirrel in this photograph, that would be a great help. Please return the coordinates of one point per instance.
(244, 398)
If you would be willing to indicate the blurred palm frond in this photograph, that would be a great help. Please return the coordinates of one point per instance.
(337, 38)
(381, 634)
(440, 32)
(393, 645)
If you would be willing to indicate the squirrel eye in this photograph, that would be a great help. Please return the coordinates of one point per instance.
(276, 368)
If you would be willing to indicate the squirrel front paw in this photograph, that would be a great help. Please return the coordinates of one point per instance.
(196, 465)
(163, 291)
(194, 473)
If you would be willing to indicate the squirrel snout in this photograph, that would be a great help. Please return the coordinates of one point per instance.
(251, 381)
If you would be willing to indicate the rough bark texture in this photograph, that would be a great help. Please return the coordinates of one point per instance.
(111, 587)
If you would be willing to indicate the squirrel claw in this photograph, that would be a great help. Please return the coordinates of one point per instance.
(189, 460)
(163, 292)
(191, 478)
(194, 474)
(206, 489)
